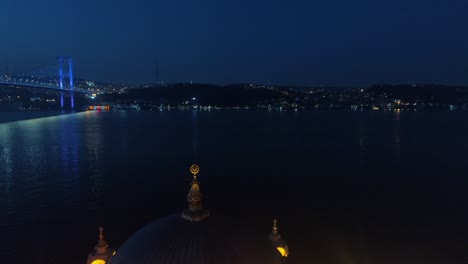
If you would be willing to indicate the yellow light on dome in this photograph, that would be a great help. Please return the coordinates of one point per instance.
(282, 251)
(98, 261)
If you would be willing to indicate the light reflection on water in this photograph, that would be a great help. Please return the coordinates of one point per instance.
(95, 153)
(396, 133)
(6, 161)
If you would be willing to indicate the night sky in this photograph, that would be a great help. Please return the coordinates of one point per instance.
(327, 42)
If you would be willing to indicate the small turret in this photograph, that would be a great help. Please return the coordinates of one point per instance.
(278, 241)
(102, 252)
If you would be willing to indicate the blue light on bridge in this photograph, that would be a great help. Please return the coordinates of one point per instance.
(65, 72)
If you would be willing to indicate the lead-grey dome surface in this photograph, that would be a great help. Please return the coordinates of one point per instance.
(174, 240)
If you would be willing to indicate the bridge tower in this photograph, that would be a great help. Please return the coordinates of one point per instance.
(66, 72)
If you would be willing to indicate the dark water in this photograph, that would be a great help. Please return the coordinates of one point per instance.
(25, 115)
(347, 187)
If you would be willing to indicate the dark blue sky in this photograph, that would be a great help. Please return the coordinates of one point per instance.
(327, 42)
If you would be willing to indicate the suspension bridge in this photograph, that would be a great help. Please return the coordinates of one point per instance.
(56, 75)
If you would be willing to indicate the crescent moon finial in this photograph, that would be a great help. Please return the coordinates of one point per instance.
(194, 169)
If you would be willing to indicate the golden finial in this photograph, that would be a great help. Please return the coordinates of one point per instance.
(194, 169)
(195, 211)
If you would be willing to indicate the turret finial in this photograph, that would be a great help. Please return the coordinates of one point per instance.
(101, 234)
(101, 245)
(195, 211)
(275, 226)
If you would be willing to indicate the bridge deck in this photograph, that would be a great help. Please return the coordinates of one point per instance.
(76, 90)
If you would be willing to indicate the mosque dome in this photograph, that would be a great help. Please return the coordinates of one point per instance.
(195, 237)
